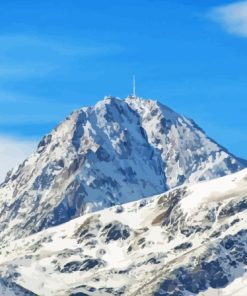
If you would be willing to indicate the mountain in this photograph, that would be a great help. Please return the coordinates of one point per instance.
(112, 153)
(191, 240)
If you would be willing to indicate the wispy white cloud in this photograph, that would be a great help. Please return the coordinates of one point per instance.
(76, 48)
(24, 56)
(32, 109)
(12, 152)
(233, 17)
(25, 70)
(6, 96)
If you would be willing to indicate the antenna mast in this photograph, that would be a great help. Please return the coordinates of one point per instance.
(134, 86)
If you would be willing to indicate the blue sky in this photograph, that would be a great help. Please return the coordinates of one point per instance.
(58, 55)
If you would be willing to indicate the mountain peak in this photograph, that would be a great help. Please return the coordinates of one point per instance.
(108, 154)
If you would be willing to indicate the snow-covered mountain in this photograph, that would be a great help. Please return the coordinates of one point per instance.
(112, 153)
(191, 240)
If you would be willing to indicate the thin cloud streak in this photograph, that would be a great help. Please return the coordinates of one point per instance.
(46, 111)
(12, 152)
(24, 56)
(82, 48)
(24, 71)
(232, 17)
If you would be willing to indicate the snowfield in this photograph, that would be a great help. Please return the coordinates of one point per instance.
(191, 240)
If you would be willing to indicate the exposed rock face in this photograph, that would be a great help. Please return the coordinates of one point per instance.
(112, 153)
(191, 240)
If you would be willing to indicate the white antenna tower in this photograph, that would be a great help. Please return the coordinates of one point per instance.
(134, 86)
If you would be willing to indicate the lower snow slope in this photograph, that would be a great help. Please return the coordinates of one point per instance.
(188, 241)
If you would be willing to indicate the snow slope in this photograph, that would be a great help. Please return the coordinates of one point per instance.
(191, 240)
(112, 153)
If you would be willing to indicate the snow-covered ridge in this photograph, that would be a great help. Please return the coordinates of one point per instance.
(112, 153)
(154, 246)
